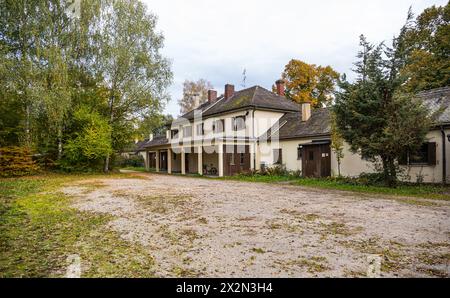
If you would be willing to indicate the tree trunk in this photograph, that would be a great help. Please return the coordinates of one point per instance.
(385, 170)
(389, 171)
(111, 118)
(27, 126)
(339, 166)
(106, 167)
(59, 143)
(392, 173)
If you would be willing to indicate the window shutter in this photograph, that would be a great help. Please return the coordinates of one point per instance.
(280, 156)
(432, 153)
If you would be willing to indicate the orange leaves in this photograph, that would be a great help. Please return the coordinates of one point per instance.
(308, 82)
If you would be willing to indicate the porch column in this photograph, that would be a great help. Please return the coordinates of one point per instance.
(169, 161)
(157, 160)
(147, 161)
(200, 160)
(220, 154)
(252, 156)
(183, 162)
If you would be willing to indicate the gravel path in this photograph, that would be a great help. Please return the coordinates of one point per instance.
(216, 228)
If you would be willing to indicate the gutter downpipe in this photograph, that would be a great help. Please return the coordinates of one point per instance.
(444, 160)
(254, 142)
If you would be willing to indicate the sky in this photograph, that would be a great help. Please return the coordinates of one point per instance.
(217, 40)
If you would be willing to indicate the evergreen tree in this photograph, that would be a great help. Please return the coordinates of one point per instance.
(373, 115)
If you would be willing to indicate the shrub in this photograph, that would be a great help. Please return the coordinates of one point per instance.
(16, 161)
(131, 161)
(89, 147)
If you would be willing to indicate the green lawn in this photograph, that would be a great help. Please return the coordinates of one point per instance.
(39, 229)
(427, 191)
(137, 169)
(422, 191)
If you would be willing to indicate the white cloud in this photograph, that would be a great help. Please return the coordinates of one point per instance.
(216, 40)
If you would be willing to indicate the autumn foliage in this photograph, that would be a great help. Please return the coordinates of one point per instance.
(16, 161)
(309, 82)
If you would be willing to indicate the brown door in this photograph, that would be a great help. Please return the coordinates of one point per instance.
(236, 159)
(325, 160)
(152, 160)
(311, 162)
(316, 161)
(163, 161)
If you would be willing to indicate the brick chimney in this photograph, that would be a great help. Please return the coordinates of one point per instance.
(229, 91)
(280, 87)
(212, 95)
(306, 111)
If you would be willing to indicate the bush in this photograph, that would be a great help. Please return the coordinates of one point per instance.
(131, 161)
(90, 145)
(16, 161)
(277, 170)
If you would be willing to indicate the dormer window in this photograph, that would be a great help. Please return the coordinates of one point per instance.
(238, 123)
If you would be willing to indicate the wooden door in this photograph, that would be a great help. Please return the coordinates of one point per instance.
(311, 161)
(236, 159)
(163, 161)
(152, 160)
(316, 161)
(325, 160)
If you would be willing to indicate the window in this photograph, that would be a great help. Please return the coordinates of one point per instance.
(187, 131)
(311, 155)
(200, 129)
(426, 155)
(299, 152)
(241, 158)
(174, 134)
(238, 123)
(218, 126)
(277, 156)
(174, 156)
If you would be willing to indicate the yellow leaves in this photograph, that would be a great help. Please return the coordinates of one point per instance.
(308, 82)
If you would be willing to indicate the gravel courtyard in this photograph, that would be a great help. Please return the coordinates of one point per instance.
(216, 228)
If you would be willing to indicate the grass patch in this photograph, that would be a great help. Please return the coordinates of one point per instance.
(313, 264)
(39, 230)
(258, 250)
(137, 169)
(410, 190)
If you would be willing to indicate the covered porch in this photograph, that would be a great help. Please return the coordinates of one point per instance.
(214, 160)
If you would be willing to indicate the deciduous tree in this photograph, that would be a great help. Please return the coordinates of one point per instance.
(309, 82)
(192, 91)
(427, 45)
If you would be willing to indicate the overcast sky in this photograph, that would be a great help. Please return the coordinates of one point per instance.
(217, 40)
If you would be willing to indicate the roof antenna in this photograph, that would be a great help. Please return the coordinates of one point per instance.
(244, 78)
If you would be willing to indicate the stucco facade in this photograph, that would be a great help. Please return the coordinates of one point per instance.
(276, 131)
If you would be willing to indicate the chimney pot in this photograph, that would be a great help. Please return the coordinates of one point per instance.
(150, 137)
(212, 95)
(280, 87)
(306, 111)
(229, 91)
